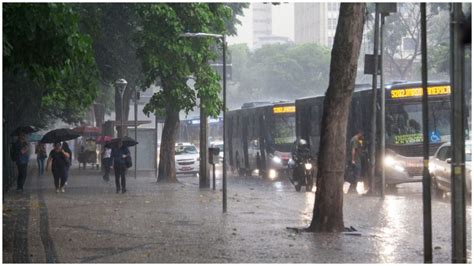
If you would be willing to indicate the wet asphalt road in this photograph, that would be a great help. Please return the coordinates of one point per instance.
(182, 223)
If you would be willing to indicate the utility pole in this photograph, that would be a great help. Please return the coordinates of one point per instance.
(374, 102)
(136, 118)
(458, 171)
(203, 139)
(427, 231)
(384, 9)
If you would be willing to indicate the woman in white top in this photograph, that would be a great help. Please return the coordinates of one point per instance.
(106, 161)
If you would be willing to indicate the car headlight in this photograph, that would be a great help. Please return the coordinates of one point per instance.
(308, 166)
(399, 168)
(276, 159)
(272, 174)
(388, 160)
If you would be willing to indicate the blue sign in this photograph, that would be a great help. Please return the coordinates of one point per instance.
(435, 137)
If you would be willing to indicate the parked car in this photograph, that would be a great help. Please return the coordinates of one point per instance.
(440, 169)
(186, 159)
(220, 145)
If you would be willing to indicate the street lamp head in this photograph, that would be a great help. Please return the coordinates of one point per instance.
(201, 34)
(121, 85)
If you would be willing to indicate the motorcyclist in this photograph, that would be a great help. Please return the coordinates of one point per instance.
(300, 152)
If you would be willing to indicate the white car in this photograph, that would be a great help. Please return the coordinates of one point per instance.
(186, 159)
(440, 169)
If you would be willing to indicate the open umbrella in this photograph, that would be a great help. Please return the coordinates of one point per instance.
(127, 141)
(58, 135)
(88, 131)
(103, 139)
(23, 129)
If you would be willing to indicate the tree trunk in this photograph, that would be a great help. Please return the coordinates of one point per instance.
(327, 213)
(167, 169)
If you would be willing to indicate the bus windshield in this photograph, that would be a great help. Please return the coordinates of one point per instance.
(404, 124)
(283, 131)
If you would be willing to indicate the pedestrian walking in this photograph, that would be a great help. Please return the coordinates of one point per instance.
(357, 144)
(21, 156)
(106, 161)
(59, 159)
(119, 155)
(41, 155)
(68, 165)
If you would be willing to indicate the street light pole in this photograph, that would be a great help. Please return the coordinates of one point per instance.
(458, 168)
(136, 118)
(374, 102)
(224, 168)
(427, 230)
(121, 85)
(224, 48)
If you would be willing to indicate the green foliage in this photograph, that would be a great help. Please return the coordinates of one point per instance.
(48, 64)
(169, 59)
(111, 26)
(279, 71)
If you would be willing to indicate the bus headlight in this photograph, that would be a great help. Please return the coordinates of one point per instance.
(308, 166)
(276, 159)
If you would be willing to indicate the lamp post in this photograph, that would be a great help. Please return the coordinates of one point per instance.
(121, 85)
(224, 47)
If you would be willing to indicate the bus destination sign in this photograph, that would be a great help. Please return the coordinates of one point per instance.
(418, 92)
(284, 109)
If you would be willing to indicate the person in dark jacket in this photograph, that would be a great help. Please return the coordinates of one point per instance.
(119, 155)
(59, 159)
(21, 157)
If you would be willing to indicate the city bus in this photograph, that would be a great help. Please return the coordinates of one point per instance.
(403, 127)
(260, 137)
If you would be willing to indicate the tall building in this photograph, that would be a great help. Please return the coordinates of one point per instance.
(316, 22)
(262, 21)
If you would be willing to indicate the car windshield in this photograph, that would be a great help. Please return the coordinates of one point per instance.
(404, 123)
(185, 150)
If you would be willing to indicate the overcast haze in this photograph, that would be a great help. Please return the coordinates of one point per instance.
(282, 20)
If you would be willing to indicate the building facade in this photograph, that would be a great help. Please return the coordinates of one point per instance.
(316, 23)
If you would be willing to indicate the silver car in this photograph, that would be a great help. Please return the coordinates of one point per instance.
(440, 169)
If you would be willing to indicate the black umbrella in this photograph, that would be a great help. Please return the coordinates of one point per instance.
(23, 129)
(127, 141)
(58, 135)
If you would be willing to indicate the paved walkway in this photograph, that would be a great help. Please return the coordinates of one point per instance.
(180, 223)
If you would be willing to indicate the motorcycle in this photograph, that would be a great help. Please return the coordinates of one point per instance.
(303, 172)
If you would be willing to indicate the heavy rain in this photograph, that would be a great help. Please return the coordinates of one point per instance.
(262, 132)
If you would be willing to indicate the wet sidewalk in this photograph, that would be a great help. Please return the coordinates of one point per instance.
(181, 223)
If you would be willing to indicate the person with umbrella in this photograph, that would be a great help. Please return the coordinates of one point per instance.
(41, 155)
(21, 156)
(120, 153)
(60, 160)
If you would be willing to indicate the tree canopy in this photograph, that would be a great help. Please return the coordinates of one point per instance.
(49, 69)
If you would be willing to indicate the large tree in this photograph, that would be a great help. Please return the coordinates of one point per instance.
(168, 60)
(48, 67)
(112, 26)
(328, 207)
